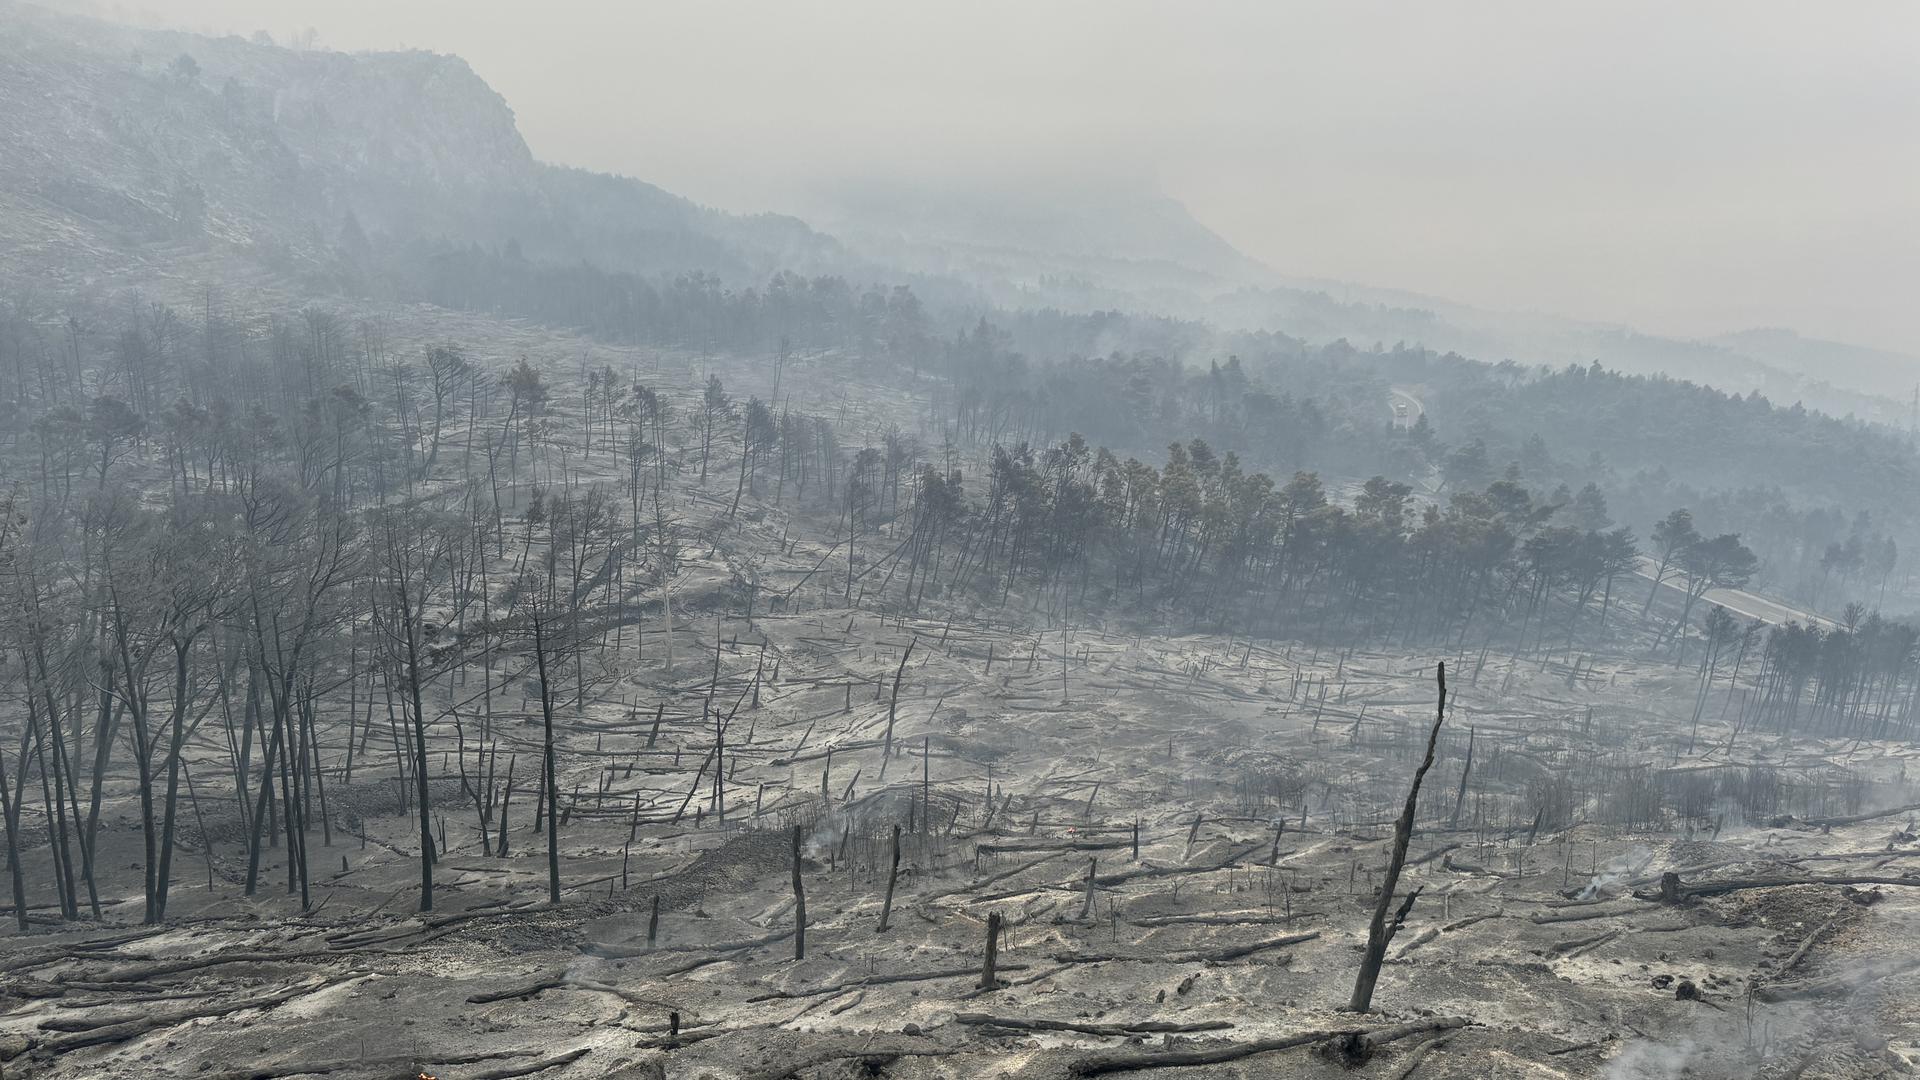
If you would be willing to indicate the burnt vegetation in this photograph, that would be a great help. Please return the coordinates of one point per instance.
(302, 612)
(466, 656)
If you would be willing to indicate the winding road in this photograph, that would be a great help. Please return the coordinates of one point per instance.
(1737, 601)
(1414, 407)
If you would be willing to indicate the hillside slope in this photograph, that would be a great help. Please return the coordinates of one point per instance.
(121, 147)
(157, 160)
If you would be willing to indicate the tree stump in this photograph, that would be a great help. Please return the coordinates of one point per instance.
(1669, 888)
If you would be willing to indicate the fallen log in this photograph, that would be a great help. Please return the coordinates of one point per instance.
(1109, 880)
(879, 980)
(1021, 848)
(1855, 819)
(1112, 1062)
(24, 987)
(361, 1064)
(509, 1071)
(129, 1029)
(356, 938)
(1420, 1054)
(1578, 1047)
(122, 995)
(1471, 919)
(1188, 956)
(1002, 876)
(1580, 916)
(1800, 953)
(175, 967)
(83, 950)
(522, 990)
(1573, 947)
(1837, 985)
(1045, 973)
(1425, 936)
(1457, 866)
(674, 1042)
(1436, 853)
(1721, 888)
(1220, 920)
(1144, 1027)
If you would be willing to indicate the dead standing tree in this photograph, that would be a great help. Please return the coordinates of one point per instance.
(552, 789)
(799, 902)
(893, 705)
(10, 519)
(893, 877)
(415, 547)
(988, 981)
(297, 550)
(165, 585)
(579, 555)
(554, 624)
(1380, 931)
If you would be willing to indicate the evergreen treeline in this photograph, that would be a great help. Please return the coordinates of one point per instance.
(1283, 405)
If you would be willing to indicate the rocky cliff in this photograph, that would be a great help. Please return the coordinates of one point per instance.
(126, 149)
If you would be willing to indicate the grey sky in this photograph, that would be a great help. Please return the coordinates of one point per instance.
(1688, 168)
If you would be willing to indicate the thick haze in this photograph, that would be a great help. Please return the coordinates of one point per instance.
(1688, 168)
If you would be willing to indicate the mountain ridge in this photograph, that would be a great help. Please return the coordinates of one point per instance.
(282, 155)
(285, 158)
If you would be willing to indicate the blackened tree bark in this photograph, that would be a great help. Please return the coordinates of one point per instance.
(553, 797)
(1380, 931)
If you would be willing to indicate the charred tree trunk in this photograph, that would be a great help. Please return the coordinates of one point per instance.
(893, 875)
(411, 632)
(987, 979)
(893, 704)
(1380, 931)
(799, 902)
(553, 793)
(11, 809)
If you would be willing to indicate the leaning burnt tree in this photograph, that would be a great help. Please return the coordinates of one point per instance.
(1380, 932)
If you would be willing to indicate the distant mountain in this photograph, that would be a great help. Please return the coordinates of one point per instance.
(1842, 380)
(130, 151)
(1894, 374)
(1089, 248)
(150, 158)
(1041, 219)
(1037, 242)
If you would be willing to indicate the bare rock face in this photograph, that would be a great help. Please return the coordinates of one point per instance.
(419, 115)
(120, 144)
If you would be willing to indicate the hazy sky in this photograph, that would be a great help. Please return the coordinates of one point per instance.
(1688, 168)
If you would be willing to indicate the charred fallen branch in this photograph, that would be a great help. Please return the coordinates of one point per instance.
(1370, 1038)
(361, 1064)
(1683, 891)
(133, 1028)
(1190, 956)
(880, 980)
(1143, 1027)
(1844, 985)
